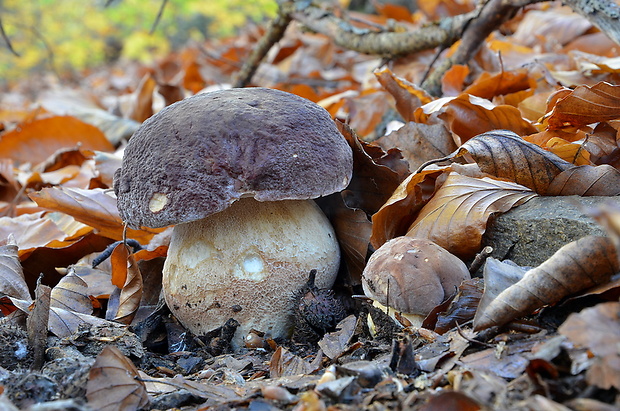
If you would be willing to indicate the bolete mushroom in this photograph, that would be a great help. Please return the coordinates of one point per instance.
(236, 171)
(412, 276)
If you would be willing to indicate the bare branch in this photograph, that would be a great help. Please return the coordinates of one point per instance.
(7, 40)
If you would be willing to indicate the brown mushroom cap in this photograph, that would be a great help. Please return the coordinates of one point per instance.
(197, 156)
(420, 274)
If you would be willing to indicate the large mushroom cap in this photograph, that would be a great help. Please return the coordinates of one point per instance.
(199, 155)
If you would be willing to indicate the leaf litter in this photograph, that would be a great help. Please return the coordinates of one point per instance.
(545, 337)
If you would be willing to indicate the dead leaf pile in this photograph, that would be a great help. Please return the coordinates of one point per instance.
(535, 113)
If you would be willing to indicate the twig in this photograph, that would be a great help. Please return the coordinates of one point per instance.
(159, 14)
(603, 14)
(7, 40)
(274, 33)
(481, 257)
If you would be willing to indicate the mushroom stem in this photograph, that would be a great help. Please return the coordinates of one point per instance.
(246, 263)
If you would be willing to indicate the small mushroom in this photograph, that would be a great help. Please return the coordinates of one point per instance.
(235, 171)
(412, 276)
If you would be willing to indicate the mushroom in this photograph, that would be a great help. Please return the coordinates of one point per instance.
(236, 171)
(412, 276)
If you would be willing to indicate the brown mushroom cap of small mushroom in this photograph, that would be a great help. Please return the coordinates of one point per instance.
(235, 171)
(196, 157)
(412, 275)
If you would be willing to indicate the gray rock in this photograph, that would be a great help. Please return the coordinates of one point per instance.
(533, 232)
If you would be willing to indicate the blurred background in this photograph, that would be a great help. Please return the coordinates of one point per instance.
(70, 36)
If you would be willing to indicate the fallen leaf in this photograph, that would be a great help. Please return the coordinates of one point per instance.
(37, 324)
(598, 329)
(125, 272)
(92, 207)
(12, 281)
(31, 230)
(395, 217)
(35, 141)
(586, 180)
(576, 266)
(420, 142)
(408, 96)
(142, 107)
(585, 105)
(504, 154)
(71, 294)
(455, 218)
(450, 400)
(489, 85)
(335, 343)
(284, 363)
(113, 383)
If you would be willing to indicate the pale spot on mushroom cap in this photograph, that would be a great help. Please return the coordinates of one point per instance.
(158, 202)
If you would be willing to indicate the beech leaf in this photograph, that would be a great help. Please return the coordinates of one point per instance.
(92, 207)
(586, 180)
(504, 154)
(71, 293)
(113, 383)
(12, 281)
(585, 105)
(456, 217)
(578, 265)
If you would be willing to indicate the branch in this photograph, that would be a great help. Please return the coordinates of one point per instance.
(274, 33)
(7, 40)
(605, 15)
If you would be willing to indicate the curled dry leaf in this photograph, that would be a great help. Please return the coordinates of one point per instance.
(456, 217)
(113, 383)
(584, 105)
(586, 180)
(126, 276)
(12, 281)
(506, 82)
(71, 294)
(504, 154)
(375, 173)
(598, 329)
(33, 142)
(407, 95)
(579, 265)
(92, 207)
(468, 116)
(31, 231)
(401, 209)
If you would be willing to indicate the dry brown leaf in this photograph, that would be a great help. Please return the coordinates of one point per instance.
(456, 217)
(113, 383)
(450, 400)
(284, 363)
(71, 294)
(353, 229)
(37, 324)
(372, 182)
(420, 142)
(12, 281)
(143, 104)
(576, 266)
(408, 96)
(105, 165)
(91, 207)
(452, 82)
(586, 180)
(468, 116)
(585, 105)
(598, 329)
(35, 141)
(489, 85)
(401, 209)
(126, 276)
(504, 154)
(31, 231)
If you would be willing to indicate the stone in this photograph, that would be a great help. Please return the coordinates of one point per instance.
(532, 232)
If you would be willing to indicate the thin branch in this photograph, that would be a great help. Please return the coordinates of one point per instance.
(159, 14)
(274, 34)
(7, 40)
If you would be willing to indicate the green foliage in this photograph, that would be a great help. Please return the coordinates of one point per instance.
(76, 34)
